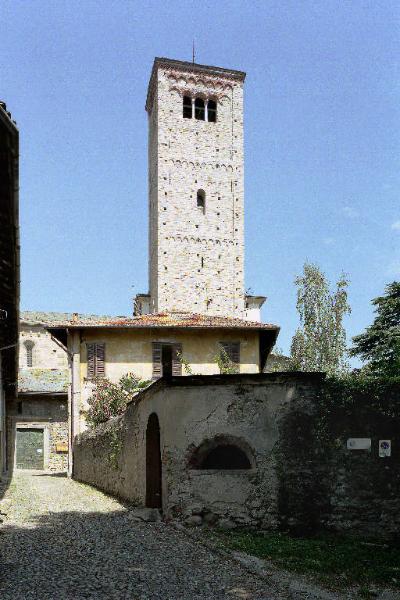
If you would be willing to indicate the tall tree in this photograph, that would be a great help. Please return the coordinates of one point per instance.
(320, 342)
(379, 345)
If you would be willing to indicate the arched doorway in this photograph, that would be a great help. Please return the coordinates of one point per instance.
(153, 463)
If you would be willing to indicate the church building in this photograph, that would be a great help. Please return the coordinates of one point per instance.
(196, 317)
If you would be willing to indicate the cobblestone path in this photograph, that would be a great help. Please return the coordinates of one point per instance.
(63, 540)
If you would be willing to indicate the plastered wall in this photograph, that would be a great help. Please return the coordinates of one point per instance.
(303, 476)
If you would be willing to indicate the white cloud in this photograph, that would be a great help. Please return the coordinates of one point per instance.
(350, 212)
(329, 241)
(396, 225)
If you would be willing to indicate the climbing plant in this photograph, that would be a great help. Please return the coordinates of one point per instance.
(224, 362)
(109, 399)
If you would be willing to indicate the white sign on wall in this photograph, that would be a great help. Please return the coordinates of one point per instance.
(385, 448)
(359, 444)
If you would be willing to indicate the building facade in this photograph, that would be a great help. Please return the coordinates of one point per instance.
(156, 346)
(38, 418)
(196, 192)
(9, 269)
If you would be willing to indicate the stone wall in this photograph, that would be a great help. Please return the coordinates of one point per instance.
(302, 476)
(43, 412)
(46, 354)
(196, 255)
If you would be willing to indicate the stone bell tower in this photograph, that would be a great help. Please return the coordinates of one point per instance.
(196, 189)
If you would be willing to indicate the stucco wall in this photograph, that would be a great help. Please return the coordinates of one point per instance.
(190, 411)
(131, 352)
(302, 478)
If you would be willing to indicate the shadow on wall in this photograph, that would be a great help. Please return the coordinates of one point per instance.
(109, 555)
(10, 459)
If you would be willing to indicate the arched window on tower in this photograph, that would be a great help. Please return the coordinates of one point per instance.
(212, 111)
(201, 200)
(199, 109)
(29, 352)
(187, 107)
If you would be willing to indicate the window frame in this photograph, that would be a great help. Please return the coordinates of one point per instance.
(232, 349)
(199, 111)
(188, 107)
(29, 344)
(95, 360)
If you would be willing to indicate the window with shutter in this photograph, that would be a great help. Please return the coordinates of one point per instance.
(100, 360)
(176, 362)
(95, 360)
(232, 350)
(157, 360)
(90, 360)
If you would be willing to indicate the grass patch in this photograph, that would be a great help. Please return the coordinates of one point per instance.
(334, 560)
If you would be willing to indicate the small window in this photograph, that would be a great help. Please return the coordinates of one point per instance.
(199, 109)
(166, 360)
(187, 107)
(29, 353)
(201, 200)
(212, 111)
(230, 357)
(95, 360)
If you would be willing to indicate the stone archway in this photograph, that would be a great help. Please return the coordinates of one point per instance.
(153, 463)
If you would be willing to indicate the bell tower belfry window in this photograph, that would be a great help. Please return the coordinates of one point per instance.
(196, 188)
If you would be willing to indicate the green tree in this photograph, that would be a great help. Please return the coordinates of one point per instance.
(379, 345)
(320, 342)
(110, 399)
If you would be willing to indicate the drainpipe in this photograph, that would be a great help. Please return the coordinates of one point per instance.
(74, 396)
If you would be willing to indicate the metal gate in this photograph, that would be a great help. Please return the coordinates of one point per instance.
(30, 451)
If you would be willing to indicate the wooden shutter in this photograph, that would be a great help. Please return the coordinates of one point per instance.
(176, 363)
(157, 360)
(90, 360)
(100, 360)
(235, 354)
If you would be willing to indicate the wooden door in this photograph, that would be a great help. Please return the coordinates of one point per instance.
(153, 463)
(30, 448)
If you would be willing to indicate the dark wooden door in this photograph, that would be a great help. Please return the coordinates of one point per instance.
(153, 463)
(30, 449)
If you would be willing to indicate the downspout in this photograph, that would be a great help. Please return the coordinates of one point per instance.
(75, 393)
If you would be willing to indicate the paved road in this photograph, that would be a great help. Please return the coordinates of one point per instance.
(63, 540)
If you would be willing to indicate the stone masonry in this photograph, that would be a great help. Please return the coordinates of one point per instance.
(301, 475)
(42, 401)
(196, 252)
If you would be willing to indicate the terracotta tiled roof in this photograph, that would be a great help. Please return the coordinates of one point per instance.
(31, 317)
(170, 319)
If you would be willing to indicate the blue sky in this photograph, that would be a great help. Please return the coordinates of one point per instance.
(322, 142)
